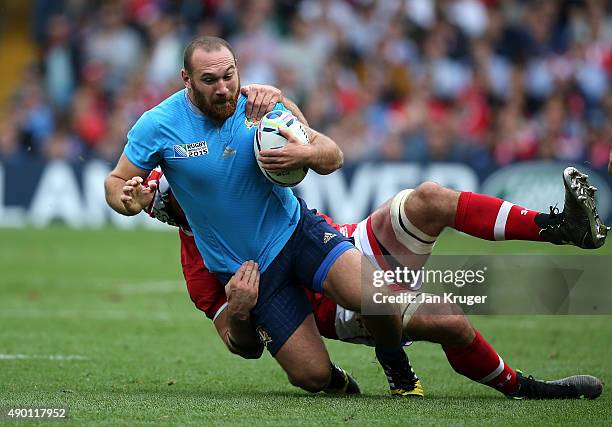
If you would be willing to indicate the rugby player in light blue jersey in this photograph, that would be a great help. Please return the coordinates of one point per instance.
(202, 139)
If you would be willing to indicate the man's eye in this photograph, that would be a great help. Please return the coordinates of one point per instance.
(228, 76)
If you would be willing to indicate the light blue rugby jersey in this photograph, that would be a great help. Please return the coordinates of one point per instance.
(234, 212)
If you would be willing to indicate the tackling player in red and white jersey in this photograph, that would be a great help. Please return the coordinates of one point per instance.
(388, 239)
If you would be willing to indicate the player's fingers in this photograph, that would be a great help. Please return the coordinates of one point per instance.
(257, 106)
(124, 198)
(270, 160)
(256, 284)
(128, 190)
(247, 275)
(263, 106)
(257, 98)
(241, 270)
(138, 179)
(253, 274)
(270, 106)
(245, 90)
(272, 154)
(251, 104)
(133, 182)
(286, 132)
(278, 168)
(237, 277)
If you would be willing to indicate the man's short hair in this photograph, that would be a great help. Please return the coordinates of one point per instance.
(209, 44)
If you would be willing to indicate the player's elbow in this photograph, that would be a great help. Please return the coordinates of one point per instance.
(110, 188)
(251, 351)
(333, 161)
(339, 158)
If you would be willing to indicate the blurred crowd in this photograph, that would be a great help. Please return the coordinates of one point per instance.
(484, 82)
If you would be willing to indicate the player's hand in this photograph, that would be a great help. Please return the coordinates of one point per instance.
(294, 155)
(136, 196)
(610, 163)
(261, 99)
(243, 290)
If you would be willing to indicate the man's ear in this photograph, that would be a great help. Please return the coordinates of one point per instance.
(186, 79)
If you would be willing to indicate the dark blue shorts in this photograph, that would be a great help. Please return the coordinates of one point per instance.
(305, 260)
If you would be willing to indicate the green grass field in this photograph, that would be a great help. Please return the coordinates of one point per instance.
(100, 322)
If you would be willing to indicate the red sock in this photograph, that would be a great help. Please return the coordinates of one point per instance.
(480, 362)
(491, 218)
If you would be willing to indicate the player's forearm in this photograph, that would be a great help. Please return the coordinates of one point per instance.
(326, 155)
(113, 186)
(241, 337)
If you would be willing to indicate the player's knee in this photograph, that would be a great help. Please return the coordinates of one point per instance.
(432, 206)
(427, 192)
(312, 378)
(423, 202)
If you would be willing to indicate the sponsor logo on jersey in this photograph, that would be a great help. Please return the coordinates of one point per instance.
(228, 152)
(328, 236)
(194, 149)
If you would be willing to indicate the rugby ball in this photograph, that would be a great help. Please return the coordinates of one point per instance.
(268, 137)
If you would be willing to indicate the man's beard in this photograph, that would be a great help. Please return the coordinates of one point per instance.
(218, 111)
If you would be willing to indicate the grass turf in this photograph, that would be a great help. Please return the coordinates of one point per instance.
(100, 322)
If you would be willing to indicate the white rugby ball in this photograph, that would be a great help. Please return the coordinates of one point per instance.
(268, 137)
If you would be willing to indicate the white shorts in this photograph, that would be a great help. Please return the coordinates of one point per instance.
(350, 327)
(349, 324)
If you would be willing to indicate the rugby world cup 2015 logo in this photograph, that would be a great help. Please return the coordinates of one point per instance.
(194, 149)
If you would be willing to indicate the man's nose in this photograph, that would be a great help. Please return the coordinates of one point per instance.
(221, 88)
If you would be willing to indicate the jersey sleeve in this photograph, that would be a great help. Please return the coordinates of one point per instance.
(143, 146)
(205, 290)
(280, 106)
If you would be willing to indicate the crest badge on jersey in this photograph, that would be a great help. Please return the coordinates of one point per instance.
(194, 149)
(264, 336)
(249, 123)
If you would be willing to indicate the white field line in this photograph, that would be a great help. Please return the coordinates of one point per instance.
(53, 357)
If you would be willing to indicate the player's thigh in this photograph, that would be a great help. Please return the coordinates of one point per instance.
(304, 357)
(281, 307)
(344, 280)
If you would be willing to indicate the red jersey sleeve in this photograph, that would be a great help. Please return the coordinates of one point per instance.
(206, 292)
